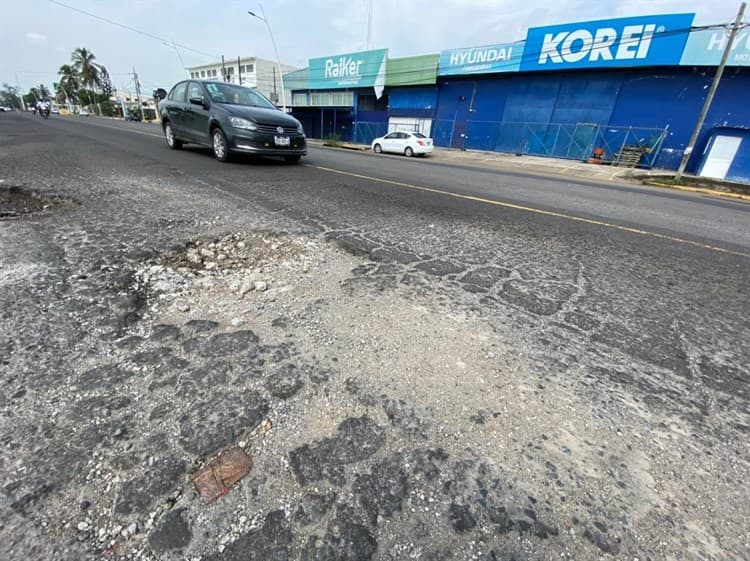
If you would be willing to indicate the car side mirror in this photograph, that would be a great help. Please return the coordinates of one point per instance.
(160, 93)
(203, 102)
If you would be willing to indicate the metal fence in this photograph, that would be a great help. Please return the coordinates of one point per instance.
(636, 146)
(632, 146)
(365, 132)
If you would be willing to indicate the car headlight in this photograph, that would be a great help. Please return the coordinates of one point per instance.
(240, 123)
(300, 129)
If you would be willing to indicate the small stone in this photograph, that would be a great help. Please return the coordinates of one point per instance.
(261, 286)
(246, 287)
(132, 529)
(210, 266)
(82, 526)
(207, 253)
(183, 307)
(237, 322)
(85, 504)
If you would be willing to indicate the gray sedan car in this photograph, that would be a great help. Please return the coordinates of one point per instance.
(229, 119)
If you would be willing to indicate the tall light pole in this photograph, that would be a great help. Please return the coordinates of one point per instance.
(264, 19)
(710, 95)
(173, 45)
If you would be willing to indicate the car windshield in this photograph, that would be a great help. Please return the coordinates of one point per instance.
(237, 95)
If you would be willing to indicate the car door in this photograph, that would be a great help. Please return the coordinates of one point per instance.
(389, 142)
(196, 115)
(175, 108)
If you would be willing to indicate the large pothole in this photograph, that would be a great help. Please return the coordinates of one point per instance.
(206, 274)
(17, 202)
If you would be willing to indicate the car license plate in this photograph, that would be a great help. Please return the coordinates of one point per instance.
(281, 140)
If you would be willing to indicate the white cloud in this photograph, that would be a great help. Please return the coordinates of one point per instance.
(35, 37)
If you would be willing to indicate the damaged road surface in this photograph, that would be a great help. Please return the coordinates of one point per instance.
(256, 361)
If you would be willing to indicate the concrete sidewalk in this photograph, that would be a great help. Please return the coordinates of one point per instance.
(575, 169)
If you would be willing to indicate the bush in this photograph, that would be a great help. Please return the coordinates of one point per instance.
(332, 139)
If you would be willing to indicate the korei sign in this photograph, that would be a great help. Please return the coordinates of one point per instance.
(350, 70)
(481, 60)
(626, 42)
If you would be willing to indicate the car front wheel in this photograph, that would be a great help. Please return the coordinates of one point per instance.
(219, 145)
(377, 149)
(408, 152)
(172, 142)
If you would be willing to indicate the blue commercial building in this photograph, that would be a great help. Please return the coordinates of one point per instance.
(625, 91)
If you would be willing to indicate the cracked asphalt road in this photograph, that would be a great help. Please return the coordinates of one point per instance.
(414, 374)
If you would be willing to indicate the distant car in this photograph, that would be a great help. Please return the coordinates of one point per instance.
(406, 143)
(229, 118)
(83, 113)
(5, 109)
(55, 110)
(132, 117)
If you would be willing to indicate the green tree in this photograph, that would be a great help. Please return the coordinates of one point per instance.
(88, 70)
(9, 96)
(32, 97)
(69, 81)
(43, 91)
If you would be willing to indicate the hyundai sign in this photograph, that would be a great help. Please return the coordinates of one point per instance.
(705, 48)
(481, 60)
(616, 43)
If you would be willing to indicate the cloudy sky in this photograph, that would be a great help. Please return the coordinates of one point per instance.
(39, 35)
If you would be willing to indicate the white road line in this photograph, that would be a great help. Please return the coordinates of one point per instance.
(97, 125)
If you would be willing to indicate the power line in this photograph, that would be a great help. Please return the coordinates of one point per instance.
(118, 24)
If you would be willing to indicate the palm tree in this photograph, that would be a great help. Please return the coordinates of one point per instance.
(43, 91)
(84, 64)
(69, 80)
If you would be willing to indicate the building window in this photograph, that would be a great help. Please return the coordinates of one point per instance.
(371, 103)
(213, 72)
(230, 70)
(250, 68)
(299, 99)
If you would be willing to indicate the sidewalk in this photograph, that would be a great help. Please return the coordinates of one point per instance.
(576, 169)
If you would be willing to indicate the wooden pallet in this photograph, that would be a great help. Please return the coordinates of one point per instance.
(629, 156)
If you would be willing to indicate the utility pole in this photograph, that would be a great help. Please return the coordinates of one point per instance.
(223, 70)
(138, 93)
(275, 95)
(239, 72)
(264, 19)
(368, 44)
(710, 95)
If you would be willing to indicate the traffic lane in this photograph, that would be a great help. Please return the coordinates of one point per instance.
(695, 219)
(684, 214)
(641, 295)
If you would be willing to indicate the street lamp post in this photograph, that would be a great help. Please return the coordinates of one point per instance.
(264, 19)
(172, 45)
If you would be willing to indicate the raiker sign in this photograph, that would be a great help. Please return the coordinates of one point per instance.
(626, 42)
(350, 70)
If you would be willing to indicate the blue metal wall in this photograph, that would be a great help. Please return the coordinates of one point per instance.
(412, 101)
(669, 97)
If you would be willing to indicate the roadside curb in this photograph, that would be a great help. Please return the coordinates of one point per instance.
(702, 190)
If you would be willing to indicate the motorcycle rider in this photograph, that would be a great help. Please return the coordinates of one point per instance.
(42, 105)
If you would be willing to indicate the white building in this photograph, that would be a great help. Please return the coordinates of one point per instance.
(248, 71)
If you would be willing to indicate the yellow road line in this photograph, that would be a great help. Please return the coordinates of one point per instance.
(514, 206)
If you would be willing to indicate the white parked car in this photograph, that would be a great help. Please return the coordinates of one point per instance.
(83, 113)
(406, 143)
